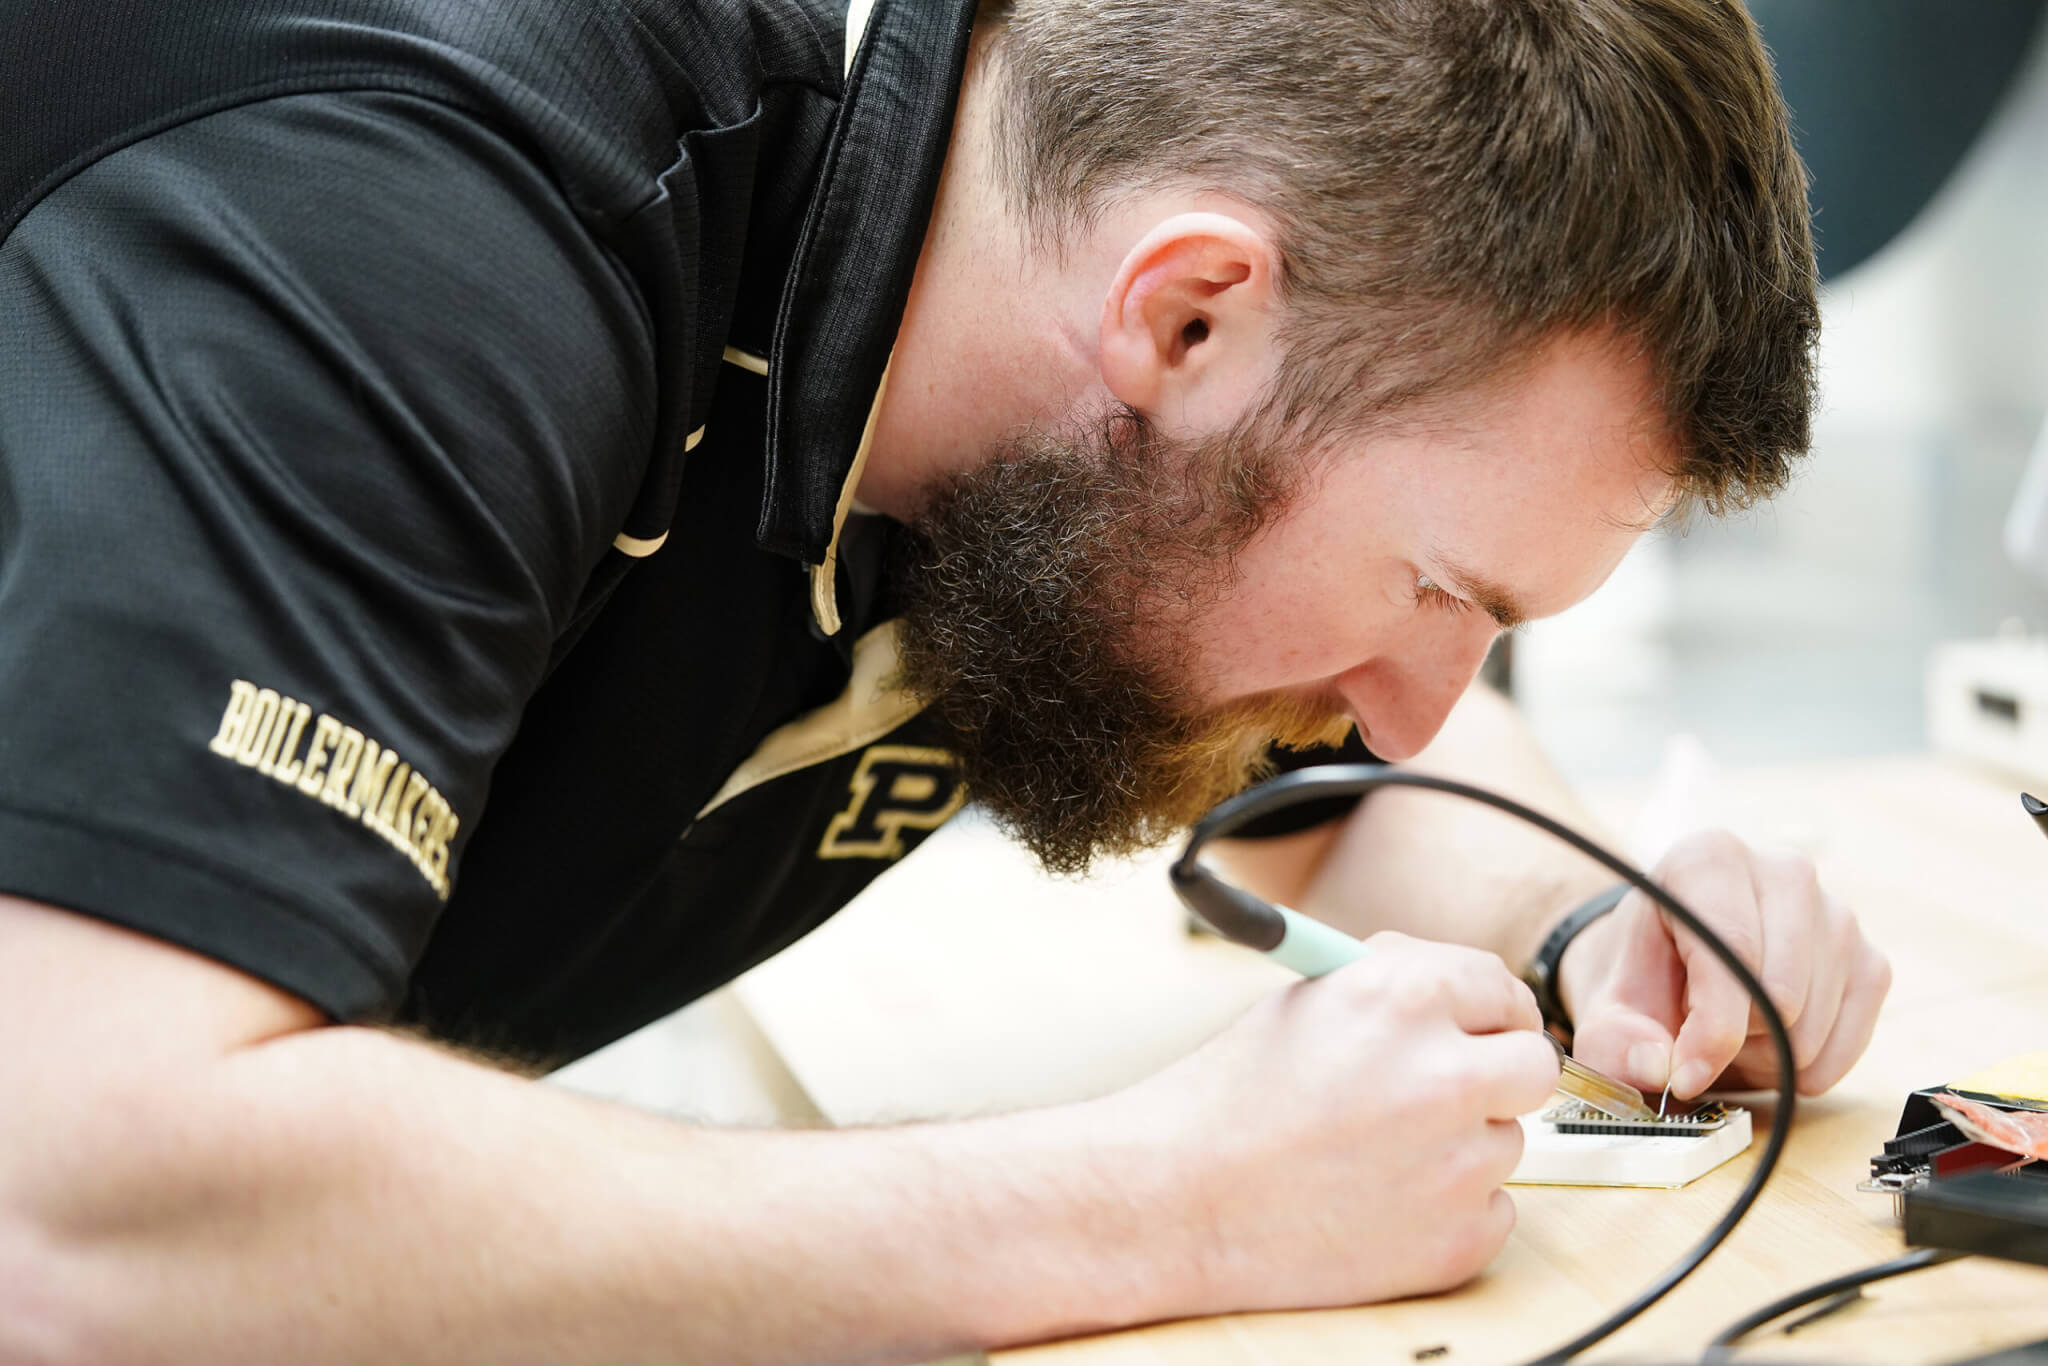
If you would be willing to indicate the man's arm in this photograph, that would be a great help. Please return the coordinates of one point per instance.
(192, 1170)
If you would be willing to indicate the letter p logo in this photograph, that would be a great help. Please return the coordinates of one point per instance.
(896, 787)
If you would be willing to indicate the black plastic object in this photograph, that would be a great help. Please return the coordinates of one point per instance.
(1887, 98)
(1981, 1212)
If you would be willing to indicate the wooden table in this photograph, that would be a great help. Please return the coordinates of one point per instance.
(956, 988)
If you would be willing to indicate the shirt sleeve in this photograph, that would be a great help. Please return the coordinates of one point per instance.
(315, 417)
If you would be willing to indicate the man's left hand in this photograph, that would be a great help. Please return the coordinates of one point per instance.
(1652, 1003)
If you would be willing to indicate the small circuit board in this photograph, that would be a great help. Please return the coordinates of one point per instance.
(1577, 1117)
(1574, 1144)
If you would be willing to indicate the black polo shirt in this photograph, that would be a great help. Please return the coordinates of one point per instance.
(424, 433)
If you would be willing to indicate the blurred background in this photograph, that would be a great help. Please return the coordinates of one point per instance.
(1804, 629)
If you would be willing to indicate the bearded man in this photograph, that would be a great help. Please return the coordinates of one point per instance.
(512, 513)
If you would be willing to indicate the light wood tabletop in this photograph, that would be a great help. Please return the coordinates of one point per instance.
(965, 984)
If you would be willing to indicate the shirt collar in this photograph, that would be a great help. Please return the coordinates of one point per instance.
(844, 295)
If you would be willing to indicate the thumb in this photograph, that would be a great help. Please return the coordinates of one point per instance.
(1627, 1044)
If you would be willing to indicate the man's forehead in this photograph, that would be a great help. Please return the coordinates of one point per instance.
(1604, 535)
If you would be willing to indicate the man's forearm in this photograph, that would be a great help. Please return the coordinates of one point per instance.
(1437, 866)
(343, 1195)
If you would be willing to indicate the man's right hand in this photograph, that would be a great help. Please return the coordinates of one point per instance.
(1347, 1139)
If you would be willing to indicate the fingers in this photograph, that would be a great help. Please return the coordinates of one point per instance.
(1488, 1156)
(1372, 1113)
(1720, 891)
(1511, 1074)
(1809, 944)
(1625, 1044)
(1779, 925)
(1840, 942)
(1870, 978)
(1515, 1010)
(1473, 987)
(1804, 947)
(1653, 1002)
(1455, 1247)
(1488, 1234)
(1631, 988)
(1793, 930)
(1867, 979)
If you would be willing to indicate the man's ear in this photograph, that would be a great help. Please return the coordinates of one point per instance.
(1186, 325)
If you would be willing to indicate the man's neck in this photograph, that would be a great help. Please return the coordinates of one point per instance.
(994, 336)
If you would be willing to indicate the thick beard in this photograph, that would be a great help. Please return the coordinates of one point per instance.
(1043, 594)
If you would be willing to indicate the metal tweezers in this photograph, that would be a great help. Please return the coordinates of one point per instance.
(1597, 1089)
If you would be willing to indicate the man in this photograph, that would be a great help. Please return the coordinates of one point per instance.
(459, 549)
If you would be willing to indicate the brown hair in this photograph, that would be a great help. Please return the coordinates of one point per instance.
(1453, 181)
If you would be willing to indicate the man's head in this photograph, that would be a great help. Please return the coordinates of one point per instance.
(1355, 313)
(1447, 182)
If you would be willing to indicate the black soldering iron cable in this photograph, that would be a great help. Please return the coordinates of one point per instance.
(1850, 1280)
(1238, 915)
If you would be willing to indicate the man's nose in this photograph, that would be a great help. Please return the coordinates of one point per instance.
(1400, 704)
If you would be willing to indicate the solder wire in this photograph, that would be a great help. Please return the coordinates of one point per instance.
(1238, 915)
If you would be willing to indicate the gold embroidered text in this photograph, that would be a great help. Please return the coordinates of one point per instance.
(340, 767)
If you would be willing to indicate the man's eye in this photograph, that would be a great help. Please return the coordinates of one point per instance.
(1428, 594)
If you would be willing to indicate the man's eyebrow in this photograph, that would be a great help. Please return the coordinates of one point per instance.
(1496, 601)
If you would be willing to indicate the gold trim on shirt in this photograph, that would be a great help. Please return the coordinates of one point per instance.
(825, 577)
(636, 547)
(746, 360)
(865, 712)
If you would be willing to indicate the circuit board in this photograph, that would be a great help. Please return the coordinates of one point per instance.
(1577, 1117)
(1573, 1144)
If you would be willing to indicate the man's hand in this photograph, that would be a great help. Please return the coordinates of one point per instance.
(1346, 1141)
(1651, 1003)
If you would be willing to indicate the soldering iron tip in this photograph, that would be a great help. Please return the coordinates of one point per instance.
(2036, 808)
